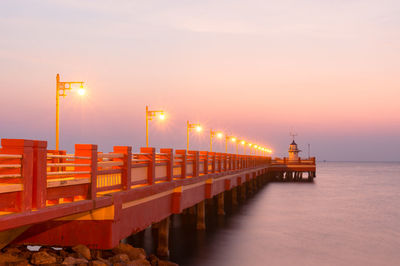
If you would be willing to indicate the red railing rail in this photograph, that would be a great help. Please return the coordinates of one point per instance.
(32, 177)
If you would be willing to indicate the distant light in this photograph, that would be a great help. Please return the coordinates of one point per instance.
(250, 144)
(243, 142)
(255, 146)
(219, 135)
(233, 139)
(161, 116)
(198, 128)
(81, 91)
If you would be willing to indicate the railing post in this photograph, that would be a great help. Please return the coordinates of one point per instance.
(183, 162)
(234, 162)
(126, 169)
(213, 163)
(151, 168)
(88, 150)
(195, 162)
(39, 186)
(170, 162)
(205, 162)
(224, 161)
(25, 148)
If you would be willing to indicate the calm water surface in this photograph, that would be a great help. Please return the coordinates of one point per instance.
(350, 215)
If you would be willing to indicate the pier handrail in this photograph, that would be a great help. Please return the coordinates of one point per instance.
(47, 177)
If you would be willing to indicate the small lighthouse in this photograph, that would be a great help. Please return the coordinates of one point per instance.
(293, 151)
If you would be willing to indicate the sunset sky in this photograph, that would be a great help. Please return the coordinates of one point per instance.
(328, 70)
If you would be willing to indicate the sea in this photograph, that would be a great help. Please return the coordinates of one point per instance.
(349, 215)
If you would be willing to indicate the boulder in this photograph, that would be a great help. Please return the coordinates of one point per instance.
(7, 258)
(153, 260)
(74, 261)
(82, 250)
(99, 262)
(139, 262)
(133, 253)
(12, 250)
(119, 258)
(42, 257)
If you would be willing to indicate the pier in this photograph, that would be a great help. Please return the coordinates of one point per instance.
(49, 197)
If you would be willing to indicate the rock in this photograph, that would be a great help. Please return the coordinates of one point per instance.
(74, 261)
(166, 263)
(42, 257)
(64, 253)
(153, 260)
(12, 250)
(139, 262)
(26, 255)
(7, 259)
(119, 258)
(99, 263)
(82, 250)
(96, 253)
(133, 253)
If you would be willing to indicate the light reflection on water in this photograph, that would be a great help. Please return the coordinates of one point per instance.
(350, 215)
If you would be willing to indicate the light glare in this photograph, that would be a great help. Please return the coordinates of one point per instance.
(81, 91)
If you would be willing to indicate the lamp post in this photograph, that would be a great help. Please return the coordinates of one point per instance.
(149, 116)
(189, 128)
(244, 146)
(219, 134)
(226, 142)
(63, 86)
(236, 142)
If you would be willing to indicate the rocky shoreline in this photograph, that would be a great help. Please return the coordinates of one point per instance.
(123, 254)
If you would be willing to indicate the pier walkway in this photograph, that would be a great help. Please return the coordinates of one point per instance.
(48, 197)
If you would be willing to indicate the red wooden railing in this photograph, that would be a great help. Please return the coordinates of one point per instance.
(32, 177)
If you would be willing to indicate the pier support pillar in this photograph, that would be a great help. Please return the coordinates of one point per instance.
(234, 196)
(163, 235)
(243, 192)
(201, 216)
(221, 210)
(192, 210)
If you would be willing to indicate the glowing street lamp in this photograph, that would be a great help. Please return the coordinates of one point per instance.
(244, 146)
(189, 128)
(218, 134)
(149, 116)
(61, 87)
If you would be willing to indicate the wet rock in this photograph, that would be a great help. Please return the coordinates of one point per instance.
(12, 250)
(74, 261)
(82, 250)
(100, 262)
(7, 258)
(96, 253)
(26, 255)
(153, 260)
(119, 258)
(139, 262)
(133, 253)
(64, 253)
(42, 257)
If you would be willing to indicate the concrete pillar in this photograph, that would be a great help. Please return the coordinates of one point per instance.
(234, 196)
(163, 235)
(192, 210)
(201, 216)
(221, 210)
(243, 191)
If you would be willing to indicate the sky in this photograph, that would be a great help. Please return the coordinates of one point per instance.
(326, 70)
